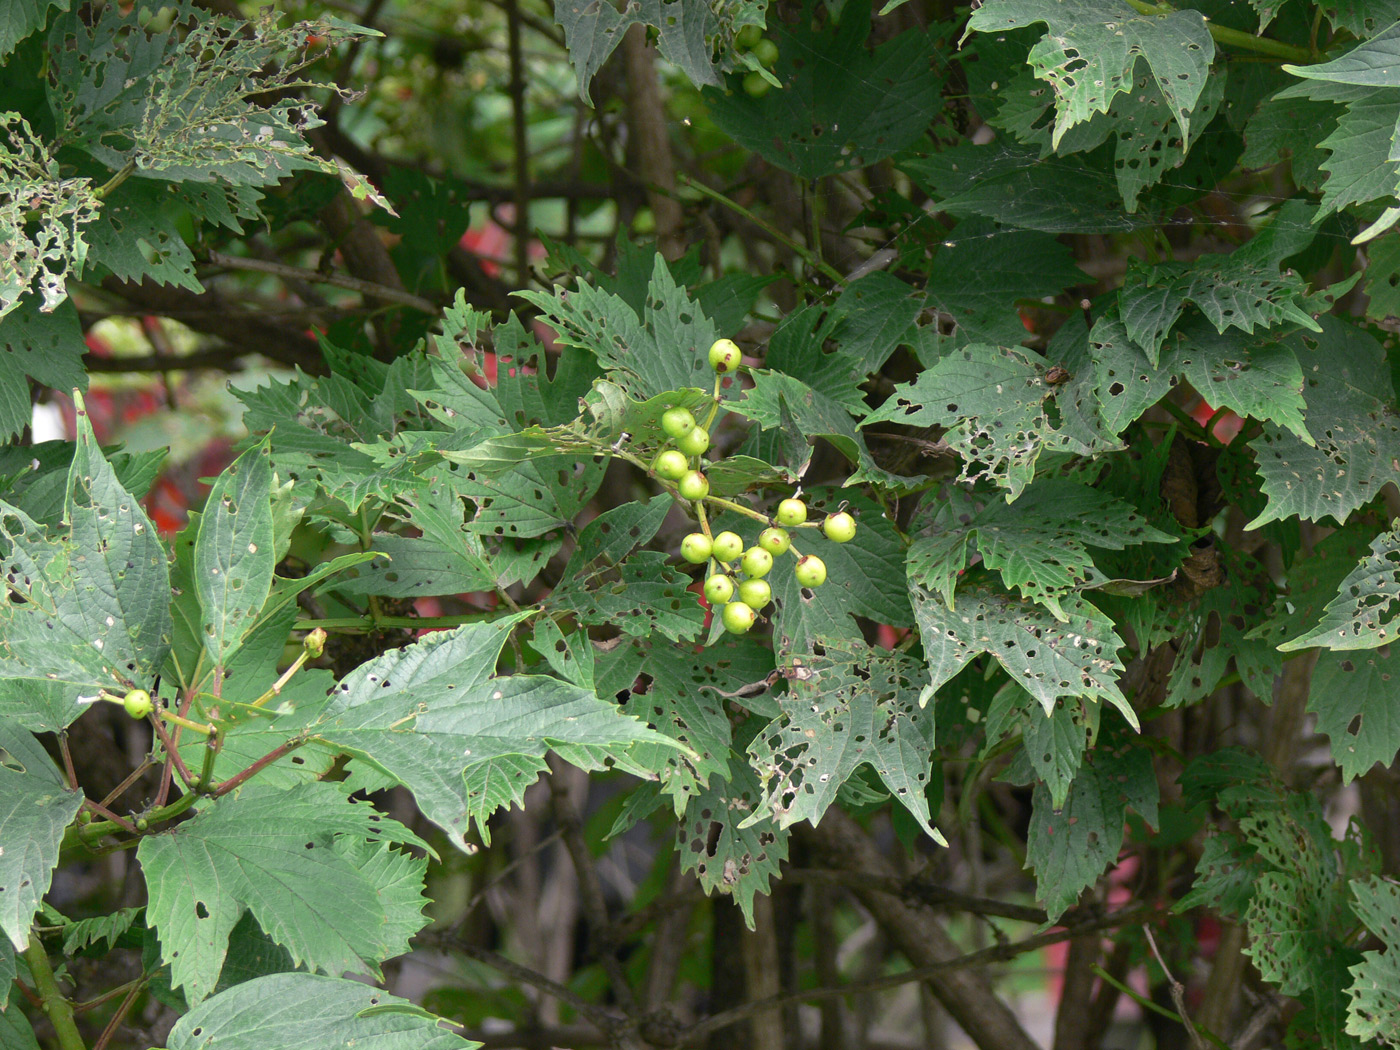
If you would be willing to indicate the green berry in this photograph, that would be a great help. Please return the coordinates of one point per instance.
(839, 527)
(695, 548)
(138, 703)
(671, 465)
(775, 541)
(738, 618)
(757, 562)
(766, 52)
(756, 85)
(725, 356)
(791, 512)
(694, 441)
(748, 37)
(810, 571)
(728, 546)
(719, 589)
(755, 593)
(693, 485)
(677, 421)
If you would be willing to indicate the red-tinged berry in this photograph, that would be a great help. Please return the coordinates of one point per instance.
(677, 421)
(138, 703)
(775, 541)
(728, 546)
(810, 571)
(695, 548)
(738, 618)
(719, 589)
(756, 562)
(725, 356)
(839, 527)
(693, 485)
(694, 442)
(791, 512)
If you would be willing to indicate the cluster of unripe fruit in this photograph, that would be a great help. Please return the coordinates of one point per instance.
(741, 600)
(751, 39)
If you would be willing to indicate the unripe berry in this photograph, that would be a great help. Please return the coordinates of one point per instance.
(725, 356)
(728, 546)
(766, 51)
(839, 527)
(138, 703)
(755, 593)
(315, 642)
(693, 485)
(694, 441)
(737, 618)
(775, 541)
(810, 571)
(755, 86)
(748, 37)
(671, 465)
(695, 548)
(791, 512)
(757, 562)
(677, 421)
(719, 589)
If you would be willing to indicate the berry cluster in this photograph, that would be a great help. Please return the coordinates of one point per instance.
(742, 598)
(751, 39)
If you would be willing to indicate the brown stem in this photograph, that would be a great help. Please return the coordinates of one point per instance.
(653, 142)
(301, 273)
(964, 992)
(1072, 1031)
(281, 750)
(595, 906)
(518, 119)
(172, 752)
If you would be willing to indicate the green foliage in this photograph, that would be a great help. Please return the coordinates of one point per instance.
(1113, 422)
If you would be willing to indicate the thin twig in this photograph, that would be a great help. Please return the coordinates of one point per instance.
(996, 953)
(922, 891)
(518, 121)
(595, 906)
(1177, 993)
(301, 273)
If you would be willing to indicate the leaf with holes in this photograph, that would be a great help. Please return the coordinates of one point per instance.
(640, 596)
(777, 400)
(1070, 847)
(310, 1010)
(48, 347)
(204, 100)
(1351, 420)
(536, 498)
(1243, 290)
(728, 850)
(865, 577)
(35, 808)
(981, 272)
(1361, 616)
(1090, 48)
(663, 349)
(681, 694)
(1038, 545)
(87, 607)
(1356, 698)
(1050, 658)
(1374, 1008)
(233, 552)
(42, 216)
(847, 706)
(138, 238)
(274, 853)
(996, 403)
(841, 106)
(1016, 186)
(430, 714)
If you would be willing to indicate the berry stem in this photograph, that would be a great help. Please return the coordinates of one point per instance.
(714, 409)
